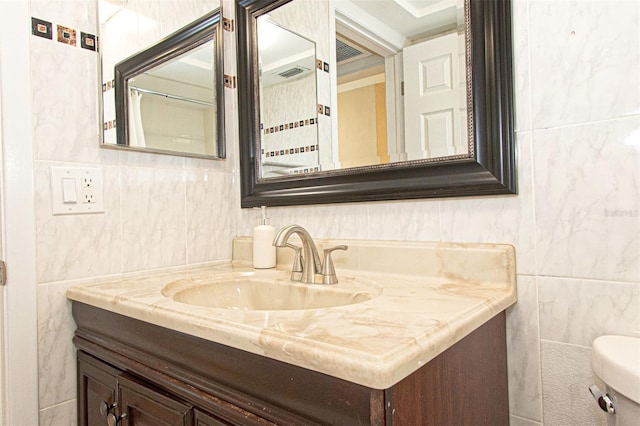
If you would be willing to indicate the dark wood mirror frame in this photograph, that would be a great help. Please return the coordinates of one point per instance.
(185, 39)
(490, 171)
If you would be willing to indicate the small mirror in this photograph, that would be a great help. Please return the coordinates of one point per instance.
(166, 98)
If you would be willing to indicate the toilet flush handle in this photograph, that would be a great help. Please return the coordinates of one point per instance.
(603, 399)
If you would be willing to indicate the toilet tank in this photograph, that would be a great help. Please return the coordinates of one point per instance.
(616, 360)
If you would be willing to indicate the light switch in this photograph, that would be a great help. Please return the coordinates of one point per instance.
(69, 195)
(76, 190)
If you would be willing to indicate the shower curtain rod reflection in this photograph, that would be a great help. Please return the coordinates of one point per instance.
(170, 96)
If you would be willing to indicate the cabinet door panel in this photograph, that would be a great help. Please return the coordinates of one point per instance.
(204, 419)
(143, 406)
(97, 383)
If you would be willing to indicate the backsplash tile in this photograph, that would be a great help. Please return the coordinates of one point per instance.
(210, 197)
(507, 219)
(578, 50)
(521, 65)
(78, 14)
(585, 177)
(398, 220)
(153, 218)
(64, 85)
(76, 246)
(577, 311)
(60, 414)
(57, 362)
(523, 347)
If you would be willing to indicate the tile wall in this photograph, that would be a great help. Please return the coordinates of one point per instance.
(575, 223)
(160, 211)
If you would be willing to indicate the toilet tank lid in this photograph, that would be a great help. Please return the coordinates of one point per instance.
(616, 360)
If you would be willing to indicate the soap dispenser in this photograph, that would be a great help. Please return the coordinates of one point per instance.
(264, 252)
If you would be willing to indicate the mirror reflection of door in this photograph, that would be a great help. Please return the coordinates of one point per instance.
(435, 98)
(362, 111)
(401, 81)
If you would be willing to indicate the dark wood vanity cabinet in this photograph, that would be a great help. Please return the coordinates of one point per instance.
(107, 396)
(157, 376)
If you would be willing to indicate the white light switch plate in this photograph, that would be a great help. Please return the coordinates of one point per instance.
(76, 190)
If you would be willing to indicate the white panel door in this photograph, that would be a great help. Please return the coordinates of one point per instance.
(2, 288)
(432, 94)
(19, 308)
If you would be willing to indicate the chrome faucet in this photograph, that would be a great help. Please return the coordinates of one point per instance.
(307, 267)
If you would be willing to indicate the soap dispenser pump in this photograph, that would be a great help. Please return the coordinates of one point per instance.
(264, 252)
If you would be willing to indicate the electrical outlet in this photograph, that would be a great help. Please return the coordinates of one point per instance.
(88, 196)
(76, 190)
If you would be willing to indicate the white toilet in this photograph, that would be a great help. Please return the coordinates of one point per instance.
(616, 360)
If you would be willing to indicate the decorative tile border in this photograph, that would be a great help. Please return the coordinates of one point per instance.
(322, 66)
(306, 170)
(324, 110)
(290, 151)
(108, 125)
(65, 35)
(106, 87)
(288, 126)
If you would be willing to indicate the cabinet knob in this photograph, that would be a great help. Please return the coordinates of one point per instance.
(114, 420)
(105, 408)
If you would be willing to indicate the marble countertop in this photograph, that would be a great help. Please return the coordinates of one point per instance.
(375, 343)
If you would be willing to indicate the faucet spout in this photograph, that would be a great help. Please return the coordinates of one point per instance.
(311, 264)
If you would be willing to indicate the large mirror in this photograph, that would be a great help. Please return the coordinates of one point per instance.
(162, 94)
(413, 99)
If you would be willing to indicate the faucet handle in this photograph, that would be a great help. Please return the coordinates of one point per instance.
(296, 270)
(328, 271)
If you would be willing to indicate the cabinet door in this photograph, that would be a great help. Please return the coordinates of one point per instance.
(204, 419)
(141, 405)
(97, 384)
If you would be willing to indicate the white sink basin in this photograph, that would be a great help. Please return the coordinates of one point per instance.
(251, 293)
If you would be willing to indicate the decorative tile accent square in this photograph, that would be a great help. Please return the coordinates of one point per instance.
(319, 64)
(230, 81)
(41, 28)
(227, 24)
(88, 41)
(326, 67)
(66, 35)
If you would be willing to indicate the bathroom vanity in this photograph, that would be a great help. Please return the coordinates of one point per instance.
(414, 347)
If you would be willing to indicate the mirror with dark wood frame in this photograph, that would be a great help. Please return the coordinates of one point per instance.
(488, 168)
